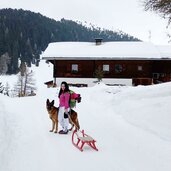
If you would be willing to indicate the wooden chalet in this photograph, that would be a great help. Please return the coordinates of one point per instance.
(143, 62)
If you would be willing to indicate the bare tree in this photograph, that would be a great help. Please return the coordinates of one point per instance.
(162, 7)
(18, 87)
(29, 82)
(4, 61)
(1, 88)
(7, 89)
(26, 84)
(23, 68)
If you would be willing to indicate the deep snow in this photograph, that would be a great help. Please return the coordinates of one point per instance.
(131, 125)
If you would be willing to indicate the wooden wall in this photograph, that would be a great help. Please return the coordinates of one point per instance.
(86, 68)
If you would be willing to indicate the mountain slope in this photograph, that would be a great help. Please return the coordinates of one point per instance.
(25, 34)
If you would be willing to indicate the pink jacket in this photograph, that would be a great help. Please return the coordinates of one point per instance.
(64, 100)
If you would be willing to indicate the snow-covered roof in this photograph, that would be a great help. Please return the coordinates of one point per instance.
(107, 50)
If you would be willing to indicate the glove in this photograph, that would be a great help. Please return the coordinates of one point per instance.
(65, 115)
(78, 98)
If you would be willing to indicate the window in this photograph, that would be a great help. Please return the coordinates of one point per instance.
(162, 75)
(118, 68)
(155, 75)
(139, 68)
(74, 68)
(106, 68)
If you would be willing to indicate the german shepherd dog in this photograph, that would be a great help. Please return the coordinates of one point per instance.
(53, 114)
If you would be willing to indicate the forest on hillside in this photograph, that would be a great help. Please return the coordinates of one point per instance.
(24, 35)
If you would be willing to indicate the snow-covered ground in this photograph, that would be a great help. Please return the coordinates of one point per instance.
(132, 126)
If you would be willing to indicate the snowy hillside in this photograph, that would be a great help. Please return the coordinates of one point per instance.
(131, 125)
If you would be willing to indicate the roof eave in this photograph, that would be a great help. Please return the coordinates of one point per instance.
(102, 58)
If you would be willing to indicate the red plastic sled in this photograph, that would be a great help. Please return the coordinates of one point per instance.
(81, 138)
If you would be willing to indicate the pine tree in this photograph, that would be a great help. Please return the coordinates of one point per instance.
(25, 35)
(99, 74)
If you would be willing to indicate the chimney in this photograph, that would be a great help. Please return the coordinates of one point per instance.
(98, 41)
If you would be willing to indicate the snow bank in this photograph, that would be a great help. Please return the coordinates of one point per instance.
(131, 125)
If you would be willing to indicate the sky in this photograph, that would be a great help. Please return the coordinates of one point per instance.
(130, 124)
(125, 15)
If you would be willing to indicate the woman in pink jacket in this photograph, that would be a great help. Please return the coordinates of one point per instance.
(64, 97)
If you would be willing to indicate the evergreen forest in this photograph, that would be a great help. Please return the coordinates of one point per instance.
(24, 35)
